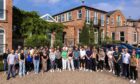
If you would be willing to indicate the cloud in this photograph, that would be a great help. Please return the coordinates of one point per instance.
(45, 1)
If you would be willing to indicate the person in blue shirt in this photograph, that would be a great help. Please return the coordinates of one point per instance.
(76, 54)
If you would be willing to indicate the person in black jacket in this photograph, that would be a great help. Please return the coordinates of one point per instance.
(5, 55)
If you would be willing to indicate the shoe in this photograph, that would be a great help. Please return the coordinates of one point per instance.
(134, 81)
(101, 70)
(131, 80)
(90, 70)
(80, 68)
(110, 70)
(8, 78)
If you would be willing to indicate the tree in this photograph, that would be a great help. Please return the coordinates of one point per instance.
(34, 30)
(84, 35)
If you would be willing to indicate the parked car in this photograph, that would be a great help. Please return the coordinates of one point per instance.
(130, 48)
(108, 46)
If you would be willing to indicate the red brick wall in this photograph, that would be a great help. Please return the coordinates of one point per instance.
(7, 24)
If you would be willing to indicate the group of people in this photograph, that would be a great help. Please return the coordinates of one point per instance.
(23, 61)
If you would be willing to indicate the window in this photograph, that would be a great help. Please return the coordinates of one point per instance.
(79, 14)
(107, 20)
(62, 18)
(95, 18)
(113, 35)
(112, 21)
(103, 35)
(87, 16)
(69, 16)
(102, 19)
(122, 36)
(1, 41)
(96, 37)
(59, 18)
(119, 20)
(135, 37)
(2, 9)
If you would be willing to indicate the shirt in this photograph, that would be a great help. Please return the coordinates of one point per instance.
(116, 55)
(52, 56)
(110, 54)
(5, 55)
(11, 58)
(76, 54)
(64, 54)
(82, 53)
(126, 58)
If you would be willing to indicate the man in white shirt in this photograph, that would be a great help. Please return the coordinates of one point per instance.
(82, 58)
(11, 59)
(126, 61)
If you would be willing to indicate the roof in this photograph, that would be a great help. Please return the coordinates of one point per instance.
(111, 12)
(80, 7)
(133, 20)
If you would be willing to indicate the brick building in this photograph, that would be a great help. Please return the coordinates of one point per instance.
(5, 25)
(113, 24)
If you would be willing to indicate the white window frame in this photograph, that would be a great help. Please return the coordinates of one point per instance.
(121, 36)
(107, 21)
(96, 37)
(4, 10)
(134, 37)
(3, 39)
(79, 13)
(87, 16)
(112, 21)
(119, 20)
(112, 35)
(95, 18)
(68, 15)
(62, 18)
(102, 19)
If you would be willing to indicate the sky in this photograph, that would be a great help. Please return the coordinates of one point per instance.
(128, 7)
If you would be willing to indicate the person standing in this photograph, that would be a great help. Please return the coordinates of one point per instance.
(110, 59)
(133, 68)
(64, 58)
(70, 60)
(93, 59)
(29, 62)
(58, 60)
(52, 59)
(11, 62)
(101, 59)
(76, 55)
(21, 64)
(36, 60)
(88, 60)
(5, 55)
(82, 58)
(116, 59)
(17, 62)
(126, 61)
(44, 59)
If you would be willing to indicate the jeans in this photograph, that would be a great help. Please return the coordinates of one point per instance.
(5, 64)
(126, 70)
(117, 68)
(101, 64)
(76, 63)
(133, 72)
(11, 70)
(52, 64)
(36, 66)
(94, 64)
(58, 63)
(64, 63)
(70, 63)
(88, 64)
(21, 67)
(111, 65)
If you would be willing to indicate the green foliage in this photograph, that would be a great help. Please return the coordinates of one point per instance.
(34, 30)
(84, 35)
